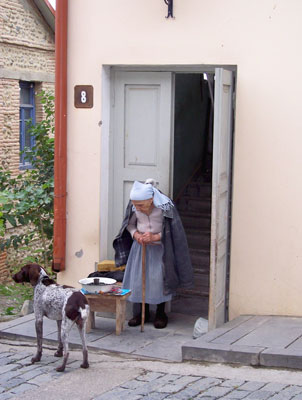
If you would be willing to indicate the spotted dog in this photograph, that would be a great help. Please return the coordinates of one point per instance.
(64, 304)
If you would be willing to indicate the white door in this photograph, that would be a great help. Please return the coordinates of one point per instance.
(220, 195)
(141, 131)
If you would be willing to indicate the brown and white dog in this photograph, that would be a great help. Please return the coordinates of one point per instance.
(64, 304)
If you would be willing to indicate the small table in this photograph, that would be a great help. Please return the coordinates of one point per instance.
(110, 303)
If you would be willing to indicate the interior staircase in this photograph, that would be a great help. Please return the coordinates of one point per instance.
(194, 207)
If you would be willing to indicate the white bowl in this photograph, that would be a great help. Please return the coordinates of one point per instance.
(105, 285)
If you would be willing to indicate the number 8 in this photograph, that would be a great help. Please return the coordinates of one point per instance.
(83, 96)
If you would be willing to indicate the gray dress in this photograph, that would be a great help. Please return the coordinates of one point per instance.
(154, 265)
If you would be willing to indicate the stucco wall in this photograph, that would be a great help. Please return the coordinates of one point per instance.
(261, 37)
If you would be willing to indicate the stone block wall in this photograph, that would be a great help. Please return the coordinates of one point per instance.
(9, 122)
(16, 259)
(4, 273)
(46, 87)
(23, 26)
(27, 53)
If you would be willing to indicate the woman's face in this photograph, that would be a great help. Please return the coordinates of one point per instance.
(144, 206)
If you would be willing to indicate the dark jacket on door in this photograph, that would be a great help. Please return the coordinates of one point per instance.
(178, 271)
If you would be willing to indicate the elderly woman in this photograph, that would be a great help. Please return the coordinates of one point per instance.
(151, 218)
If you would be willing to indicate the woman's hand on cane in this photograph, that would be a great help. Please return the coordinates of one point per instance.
(138, 237)
(149, 237)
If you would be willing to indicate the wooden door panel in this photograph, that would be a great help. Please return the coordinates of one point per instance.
(141, 137)
(220, 196)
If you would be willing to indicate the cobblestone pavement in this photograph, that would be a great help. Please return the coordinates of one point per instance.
(157, 386)
(18, 376)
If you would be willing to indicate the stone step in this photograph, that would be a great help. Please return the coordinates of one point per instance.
(201, 265)
(194, 204)
(194, 292)
(195, 305)
(198, 189)
(198, 239)
(201, 280)
(201, 285)
(201, 268)
(200, 258)
(196, 221)
(194, 207)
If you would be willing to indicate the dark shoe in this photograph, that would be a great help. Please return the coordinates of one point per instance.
(161, 321)
(137, 319)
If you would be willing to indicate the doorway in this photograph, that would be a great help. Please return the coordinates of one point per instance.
(192, 181)
(202, 144)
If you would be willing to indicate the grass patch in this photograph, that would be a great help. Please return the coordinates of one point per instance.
(12, 297)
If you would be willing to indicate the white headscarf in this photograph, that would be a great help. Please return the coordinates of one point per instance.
(145, 191)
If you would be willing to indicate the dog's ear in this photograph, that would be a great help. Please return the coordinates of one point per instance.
(33, 273)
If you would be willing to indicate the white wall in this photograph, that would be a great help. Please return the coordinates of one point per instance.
(261, 37)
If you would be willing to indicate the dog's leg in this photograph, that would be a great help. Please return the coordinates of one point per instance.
(59, 352)
(39, 332)
(81, 325)
(66, 326)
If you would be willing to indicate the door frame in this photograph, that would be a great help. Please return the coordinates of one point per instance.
(107, 101)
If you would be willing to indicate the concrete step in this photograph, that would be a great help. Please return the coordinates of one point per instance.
(258, 340)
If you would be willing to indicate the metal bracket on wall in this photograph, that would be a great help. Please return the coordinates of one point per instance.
(170, 8)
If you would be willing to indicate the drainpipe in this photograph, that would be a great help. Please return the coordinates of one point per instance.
(60, 158)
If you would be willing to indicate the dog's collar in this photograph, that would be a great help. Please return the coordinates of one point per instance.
(43, 278)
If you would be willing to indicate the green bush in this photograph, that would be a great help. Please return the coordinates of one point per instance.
(26, 200)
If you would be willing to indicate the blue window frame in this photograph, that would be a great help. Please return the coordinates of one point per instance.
(27, 114)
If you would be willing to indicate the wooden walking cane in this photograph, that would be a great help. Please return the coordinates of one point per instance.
(143, 285)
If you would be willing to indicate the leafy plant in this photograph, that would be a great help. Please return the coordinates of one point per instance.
(9, 311)
(26, 200)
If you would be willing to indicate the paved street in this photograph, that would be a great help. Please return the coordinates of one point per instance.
(174, 386)
(113, 377)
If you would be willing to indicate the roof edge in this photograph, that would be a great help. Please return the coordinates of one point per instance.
(47, 11)
(53, 11)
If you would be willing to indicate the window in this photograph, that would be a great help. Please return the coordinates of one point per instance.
(27, 114)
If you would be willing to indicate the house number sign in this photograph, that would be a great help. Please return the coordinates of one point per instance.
(83, 96)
